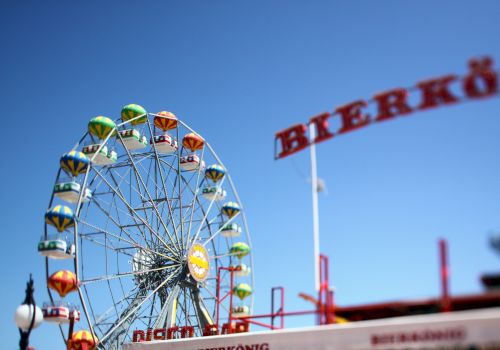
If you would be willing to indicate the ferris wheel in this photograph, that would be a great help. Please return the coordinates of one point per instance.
(143, 223)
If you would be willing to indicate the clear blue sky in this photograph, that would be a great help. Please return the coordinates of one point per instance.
(239, 71)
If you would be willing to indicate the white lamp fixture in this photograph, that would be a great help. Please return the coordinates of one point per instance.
(24, 317)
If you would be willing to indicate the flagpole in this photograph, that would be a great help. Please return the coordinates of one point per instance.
(315, 213)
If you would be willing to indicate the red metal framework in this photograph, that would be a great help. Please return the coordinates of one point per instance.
(445, 296)
(325, 310)
(229, 294)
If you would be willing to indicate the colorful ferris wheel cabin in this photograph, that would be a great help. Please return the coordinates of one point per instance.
(239, 249)
(164, 144)
(240, 311)
(213, 193)
(191, 162)
(101, 156)
(193, 142)
(133, 139)
(69, 191)
(231, 230)
(215, 172)
(231, 209)
(165, 120)
(59, 313)
(56, 248)
(242, 270)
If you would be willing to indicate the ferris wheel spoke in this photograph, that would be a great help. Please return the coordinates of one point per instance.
(167, 316)
(136, 307)
(163, 191)
(195, 196)
(159, 167)
(119, 281)
(222, 256)
(174, 183)
(177, 182)
(141, 317)
(152, 309)
(106, 317)
(120, 227)
(129, 213)
(90, 238)
(203, 221)
(152, 231)
(112, 312)
(176, 207)
(201, 310)
(182, 317)
(186, 307)
(151, 180)
(220, 229)
(209, 223)
(91, 310)
(131, 187)
(207, 289)
(124, 274)
(136, 224)
(153, 204)
(191, 317)
(123, 179)
(108, 283)
(185, 215)
(171, 166)
(119, 333)
(132, 243)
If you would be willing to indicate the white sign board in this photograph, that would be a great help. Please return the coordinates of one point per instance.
(456, 330)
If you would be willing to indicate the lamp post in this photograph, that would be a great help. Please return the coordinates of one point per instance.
(28, 316)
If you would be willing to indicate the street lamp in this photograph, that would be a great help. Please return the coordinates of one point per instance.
(27, 316)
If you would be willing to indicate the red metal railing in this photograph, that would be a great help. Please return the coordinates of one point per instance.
(324, 310)
(229, 294)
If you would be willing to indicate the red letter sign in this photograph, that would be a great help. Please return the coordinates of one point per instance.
(138, 336)
(352, 118)
(292, 140)
(435, 92)
(391, 104)
(481, 81)
(480, 69)
(321, 123)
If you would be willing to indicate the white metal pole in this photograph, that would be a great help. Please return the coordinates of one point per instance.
(314, 189)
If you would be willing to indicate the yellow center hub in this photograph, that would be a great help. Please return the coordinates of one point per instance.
(198, 263)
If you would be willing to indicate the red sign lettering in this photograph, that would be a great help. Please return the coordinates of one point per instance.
(186, 332)
(292, 139)
(436, 91)
(391, 104)
(321, 124)
(351, 115)
(481, 81)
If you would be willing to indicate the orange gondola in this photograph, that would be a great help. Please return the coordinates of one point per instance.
(63, 282)
(165, 120)
(83, 340)
(193, 141)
